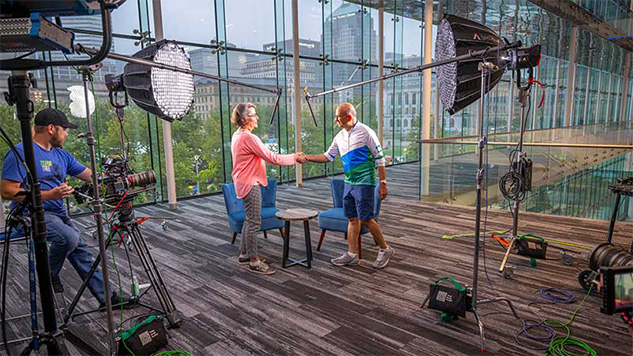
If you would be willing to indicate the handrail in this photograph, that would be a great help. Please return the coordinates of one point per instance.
(527, 131)
(537, 144)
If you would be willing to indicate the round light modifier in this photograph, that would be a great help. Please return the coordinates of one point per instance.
(173, 91)
(446, 74)
(78, 101)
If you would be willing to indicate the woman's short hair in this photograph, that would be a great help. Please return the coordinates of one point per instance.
(239, 117)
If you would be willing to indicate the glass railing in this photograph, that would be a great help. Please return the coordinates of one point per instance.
(570, 180)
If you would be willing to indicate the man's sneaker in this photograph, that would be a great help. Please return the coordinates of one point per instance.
(58, 287)
(115, 299)
(384, 255)
(247, 260)
(261, 268)
(346, 260)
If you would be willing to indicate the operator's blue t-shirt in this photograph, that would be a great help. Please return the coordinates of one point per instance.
(52, 167)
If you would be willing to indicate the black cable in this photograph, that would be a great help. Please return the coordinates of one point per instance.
(8, 230)
(18, 156)
(513, 185)
(7, 234)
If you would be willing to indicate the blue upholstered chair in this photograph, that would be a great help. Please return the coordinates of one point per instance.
(235, 209)
(334, 219)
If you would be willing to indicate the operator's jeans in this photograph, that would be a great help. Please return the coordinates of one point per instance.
(66, 242)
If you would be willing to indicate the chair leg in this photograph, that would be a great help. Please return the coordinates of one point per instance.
(321, 239)
(265, 235)
(360, 248)
(281, 232)
(233, 239)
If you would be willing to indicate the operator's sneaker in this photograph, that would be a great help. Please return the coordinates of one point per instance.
(261, 268)
(247, 260)
(384, 255)
(114, 300)
(346, 259)
(58, 287)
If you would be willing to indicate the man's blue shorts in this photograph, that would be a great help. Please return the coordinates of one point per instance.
(358, 201)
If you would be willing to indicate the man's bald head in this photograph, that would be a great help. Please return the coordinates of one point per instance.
(346, 110)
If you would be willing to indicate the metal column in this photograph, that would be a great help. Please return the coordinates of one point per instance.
(167, 141)
(297, 86)
(571, 76)
(426, 94)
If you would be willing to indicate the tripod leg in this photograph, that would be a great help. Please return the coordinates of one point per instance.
(154, 275)
(27, 350)
(428, 296)
(84, 285)
(482, 338)
(510, 305)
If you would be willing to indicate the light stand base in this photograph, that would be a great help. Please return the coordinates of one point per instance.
(480, 324)
(473, 310)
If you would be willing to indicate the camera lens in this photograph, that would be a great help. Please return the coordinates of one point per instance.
(607, 255)
(142, 179)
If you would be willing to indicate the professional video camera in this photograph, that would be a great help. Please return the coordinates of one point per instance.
(119, 183)
(611, 270)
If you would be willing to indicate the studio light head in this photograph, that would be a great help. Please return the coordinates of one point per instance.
(459, 82)
(114, 83)
(165, 93)
(523, 58)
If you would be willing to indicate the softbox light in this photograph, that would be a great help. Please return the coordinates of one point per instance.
(460, 82)
(162, 92)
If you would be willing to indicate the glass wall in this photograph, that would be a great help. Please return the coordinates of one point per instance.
(338, 45)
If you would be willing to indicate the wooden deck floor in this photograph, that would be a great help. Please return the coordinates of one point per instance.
(331, 310)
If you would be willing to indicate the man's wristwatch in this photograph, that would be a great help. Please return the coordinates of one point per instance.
(383, 181)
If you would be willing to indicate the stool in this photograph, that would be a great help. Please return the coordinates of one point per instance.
(304, 215)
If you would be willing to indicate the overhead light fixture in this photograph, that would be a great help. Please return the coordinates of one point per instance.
(459, 83)
(162, 92)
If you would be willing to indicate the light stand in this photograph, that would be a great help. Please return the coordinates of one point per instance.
(485, 68)
(523, 98)
(97, 205)
(19, 84)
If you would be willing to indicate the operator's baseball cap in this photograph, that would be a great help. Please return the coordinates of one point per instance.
(52, 116)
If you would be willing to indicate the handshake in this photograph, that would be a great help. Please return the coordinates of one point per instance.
(301, 157)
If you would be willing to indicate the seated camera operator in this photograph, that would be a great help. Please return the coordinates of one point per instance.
(52, 164)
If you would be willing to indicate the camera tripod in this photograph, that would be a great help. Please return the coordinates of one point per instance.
(127, 225)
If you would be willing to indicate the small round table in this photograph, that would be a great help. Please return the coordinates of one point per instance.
(304, 215)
